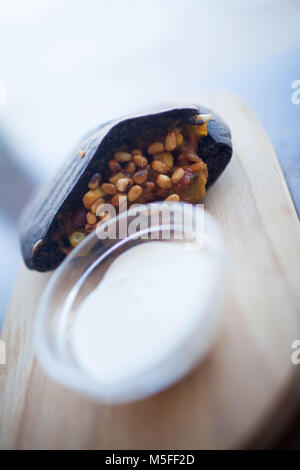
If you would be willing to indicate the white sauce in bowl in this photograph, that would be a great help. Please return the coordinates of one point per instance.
(152, 316)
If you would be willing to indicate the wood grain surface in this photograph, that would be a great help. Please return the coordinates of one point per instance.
(244, 389)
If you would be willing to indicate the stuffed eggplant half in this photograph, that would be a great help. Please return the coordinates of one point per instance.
(173, 155)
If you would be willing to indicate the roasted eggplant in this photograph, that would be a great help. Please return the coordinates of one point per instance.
(174, 154)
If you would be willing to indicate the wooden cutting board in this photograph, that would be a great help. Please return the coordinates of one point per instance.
(247, 386)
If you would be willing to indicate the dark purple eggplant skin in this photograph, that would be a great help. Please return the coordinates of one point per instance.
(67, 187)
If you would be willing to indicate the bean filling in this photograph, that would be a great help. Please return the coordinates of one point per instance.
(168, 169)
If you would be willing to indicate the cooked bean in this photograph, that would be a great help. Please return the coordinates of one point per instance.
(114, 178)
(91, 218)
(140, 177)
(96, 204)
(91, 196)
(140, 160)
(163, 181)
(184, 182)
(193, 157)
(122, 184)
(114, 166)
(177, 175)
(94, 181)
(179, 139)
(200, 166)
(156, 147)
(160, 167)
(167, 158)
(135, 192)
(76, 237)
(149, 186)
(122, 157)
(173, 197)
(170, 141)
(117, 199)
(109, 188)
(130, 168)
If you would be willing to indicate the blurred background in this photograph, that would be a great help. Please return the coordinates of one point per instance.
(68, 65)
